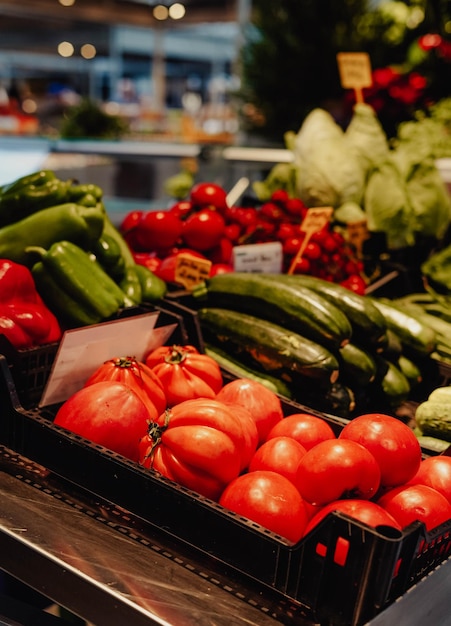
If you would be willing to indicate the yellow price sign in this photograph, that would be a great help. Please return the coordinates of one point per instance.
(316, 219)
(355, 71)
(191, 270)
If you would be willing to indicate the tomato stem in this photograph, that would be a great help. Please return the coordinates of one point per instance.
(176, 355)
(155, 432)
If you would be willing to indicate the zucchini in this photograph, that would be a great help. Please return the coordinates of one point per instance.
(338, 399)
(292, 306)
(235, 367)
(416, 338)
(394, 386)
(368, 325)
(410, 370)
(433, 444)
(357, 366)
(267, 346)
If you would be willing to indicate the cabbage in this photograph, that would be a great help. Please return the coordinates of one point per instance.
(366, 137)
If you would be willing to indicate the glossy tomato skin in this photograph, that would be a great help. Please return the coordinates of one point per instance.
(411, 503)
(158, 230)
(136, 375)
(336, 469)
(306, 429)
(203, 230)
(198, 443)
(205, 195)
(435, 472)
(264, 405)
(184, 373)
(250, 433)
(279, 454)
(392, 443)
(269, 499)
(167, 268)
(364, 511)
(108, 413)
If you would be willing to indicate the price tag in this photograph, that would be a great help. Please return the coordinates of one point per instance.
(355, 71)
(357, 233)
(316, 219)
(258, 258)
(83, 350)
(191, 270)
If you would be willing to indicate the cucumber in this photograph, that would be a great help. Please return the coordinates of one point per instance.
(292, 306)
(410, 370)
(235, 367)
(394, 386)
(416, 338)
(357, 366)
(433, 444)
(434, 419)
(267, 346)
(368, 324)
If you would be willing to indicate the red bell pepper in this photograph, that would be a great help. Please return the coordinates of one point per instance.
(25, 320)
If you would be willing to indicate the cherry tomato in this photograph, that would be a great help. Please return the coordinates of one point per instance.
(285, 230)
(306, 429)
(108, 413)
(302, 266)
(232, 232)
(269, 499)
(392, 443)
(220, 268)
(411, 503)
(181, 209)
(280, 196)
(279, 454)
(205, 195)
(203, 230)
(335, 469)
(295, 206)
(292, 244)
(354, 283)
(148, 259)
(130, 221)
(271, 211)
(222, 252)
(244, 216)
(312, 251)
(166, 269)
(263, 404)
(158, 230)
(435, 472)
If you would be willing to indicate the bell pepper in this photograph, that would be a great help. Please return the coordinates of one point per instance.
(24, 318)
(75, 286)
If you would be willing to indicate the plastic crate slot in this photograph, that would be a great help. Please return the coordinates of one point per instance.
(341, 551)
(321, 549)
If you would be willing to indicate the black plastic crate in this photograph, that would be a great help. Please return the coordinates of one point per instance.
(379, 565)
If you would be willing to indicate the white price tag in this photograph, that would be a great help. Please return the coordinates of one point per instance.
(258, 258)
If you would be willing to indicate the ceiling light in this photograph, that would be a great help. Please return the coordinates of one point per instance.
(67, 3)
(65, 49)
(88, 51)
(160, 12)
(177, 11)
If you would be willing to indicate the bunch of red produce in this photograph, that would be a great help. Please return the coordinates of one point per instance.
(206, 226)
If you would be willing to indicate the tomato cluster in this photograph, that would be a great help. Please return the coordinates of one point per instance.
(206, 225)
(231, 442)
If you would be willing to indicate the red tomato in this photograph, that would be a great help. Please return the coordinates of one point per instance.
(392, 443)
(220, 268)
(108, 413)
(364, 511)
(281, 196)
(335, 469)
(354, 283)
(312, 251)
(292, 244)
(158, 230)
(198, 443)
(222, 252)
(295, 206)
(285, 230)
(232, 232)
(279, 454)
(303, 266)
(136, 375)
(269, 499)
(130, 221)
(204, 195)
(184, 373)
(203, 230)
(263, 404)
(148, 259)
(166, 269)
(435, 472)
(250, 433)
(306, 429)
(181, 209)
(409, 503)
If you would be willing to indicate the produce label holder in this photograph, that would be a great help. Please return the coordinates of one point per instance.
(258, 257)
(82, 349)
(316, 219)
(191, 270)
(355, 72)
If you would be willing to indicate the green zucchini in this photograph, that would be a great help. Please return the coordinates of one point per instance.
(267, 346)
(394, 386)
(292, 306)
(416, 338)
(338, 399)
(410, 369)
(433, 444)
(368, 325)
(235, 367)
(357, 366)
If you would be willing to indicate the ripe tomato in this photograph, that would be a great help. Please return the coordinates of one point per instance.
(184, 373)
(312, 251)
(335, 469)
(166, 269)
(409, 503)
(136, 375)
(250, 433)
(204, 195)
(364, 511)
(108, 413)
(148, 259)
(222, 252)
(130, 221)
(220, 268)
(203, 230)
(354, 283)
(392, 443)
(306, 429)
(435, 472)
(158, 230)
(198, 443)
(295, 206)
(263, 404)
(269, 499)
(181, 209)
(279, 454)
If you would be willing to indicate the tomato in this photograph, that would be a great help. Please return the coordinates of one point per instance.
(250, 433)
(184, 373)
(181, 209)
(148, 259)
(364, 511)
(280, 196)
(269, 499)
(286, 230)
(203, 230)
(220, 268)
(136, 375)
(197, 443)
(232, 232)
(271, 211)
(354, 283)
(292, 244)
(302, 266)
(335, 469)
(435, 472)
(108, 413)
(295, 206)
(158, 230)
(306, 429)
(312, 251)
(263, 404)
(410, 503)
(166, 269)
(130, 221)
(279, 454)
(221, 252)
(392, 443)
(204, 195)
